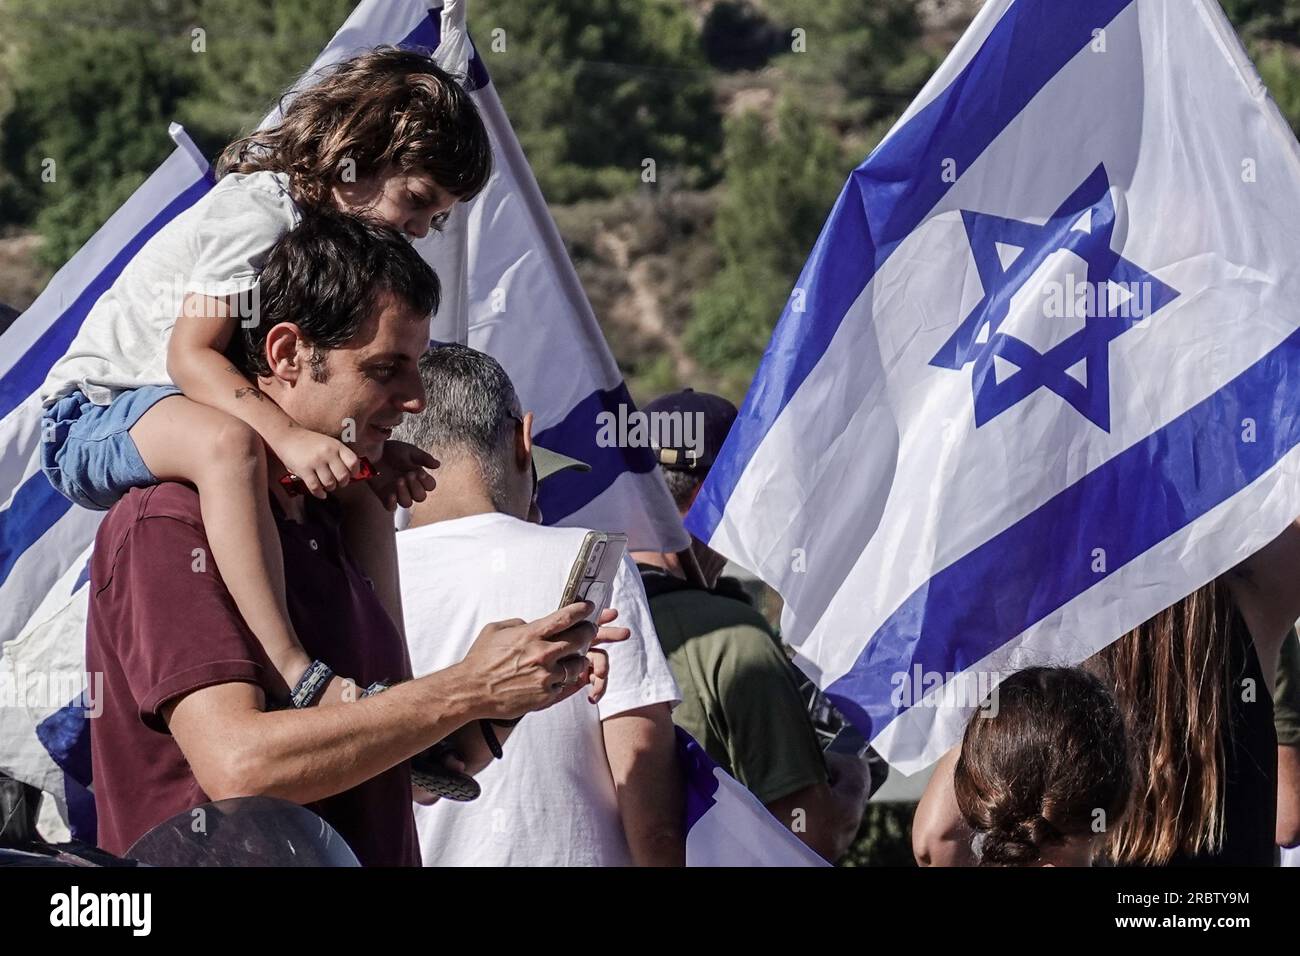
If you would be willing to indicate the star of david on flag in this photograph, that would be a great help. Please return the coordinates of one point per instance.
(1115, 295)
(1039, 377)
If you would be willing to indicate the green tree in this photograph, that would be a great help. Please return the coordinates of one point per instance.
(869, 50)
(251, 52)
(95, 85)
(595, 87)
(1265, 19)
(1271, 31)
(781, 184)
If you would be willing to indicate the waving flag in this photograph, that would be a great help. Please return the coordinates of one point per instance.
(725, 823)
(510, 290)
(44, 540)
(1039, 377)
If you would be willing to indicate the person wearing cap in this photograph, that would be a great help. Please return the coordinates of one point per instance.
(740, 693)
(586, 784)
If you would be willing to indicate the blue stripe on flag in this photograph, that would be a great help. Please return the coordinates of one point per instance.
(35, 509)
(428, 34)
(29, 372)
(886, 199)
(697, 771)
(1146, 493)
(65, 735)
(82, 578)
(575, 436)
(83, 821)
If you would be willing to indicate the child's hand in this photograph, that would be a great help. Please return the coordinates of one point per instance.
(323, 463)
(402, 478)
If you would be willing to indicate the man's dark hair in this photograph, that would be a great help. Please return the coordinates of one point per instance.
(325, 275)
(472, 409)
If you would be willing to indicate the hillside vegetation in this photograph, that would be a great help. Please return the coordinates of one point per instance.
(752, 111)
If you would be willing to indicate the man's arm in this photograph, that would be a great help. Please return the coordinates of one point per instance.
(1264, 589)
(1288, 795)
(642, 751)
(830, 813)
(307, 755)
(773, 748)
(237, 749)
(371, 540)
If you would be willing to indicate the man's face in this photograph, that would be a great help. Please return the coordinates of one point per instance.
(368, 384)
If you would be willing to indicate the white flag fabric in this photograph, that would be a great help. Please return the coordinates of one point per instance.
(1038, 379)
(725, 823)
(510, 290)
(44, 540)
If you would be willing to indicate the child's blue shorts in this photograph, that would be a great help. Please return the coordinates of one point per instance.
(87, 452)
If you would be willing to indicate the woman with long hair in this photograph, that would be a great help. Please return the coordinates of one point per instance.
(1194, 685)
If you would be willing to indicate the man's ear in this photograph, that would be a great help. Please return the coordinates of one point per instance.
(282, 351)
(524, 441)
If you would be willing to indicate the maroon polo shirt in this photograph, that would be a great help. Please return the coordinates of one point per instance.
(162, 624)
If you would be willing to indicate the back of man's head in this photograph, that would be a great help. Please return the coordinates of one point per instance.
(689, 429)
(327, 275)
(472, 411)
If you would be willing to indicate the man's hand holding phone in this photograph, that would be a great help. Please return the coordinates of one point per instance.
(515, 667)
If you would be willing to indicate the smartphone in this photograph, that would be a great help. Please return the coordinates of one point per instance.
(592, 576)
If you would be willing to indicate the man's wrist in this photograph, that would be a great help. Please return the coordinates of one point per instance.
(453, 695)
(275, 427)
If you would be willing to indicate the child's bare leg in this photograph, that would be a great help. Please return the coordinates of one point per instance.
(371, 541)
(182, 440)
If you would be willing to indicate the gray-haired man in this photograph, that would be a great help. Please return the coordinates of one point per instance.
(579, 784)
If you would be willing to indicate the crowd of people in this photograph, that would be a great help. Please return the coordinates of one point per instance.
(263, 629)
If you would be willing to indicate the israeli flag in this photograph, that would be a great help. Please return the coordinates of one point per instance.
(1039, 378)
(725, 823)
(510, 290)
(44, 540)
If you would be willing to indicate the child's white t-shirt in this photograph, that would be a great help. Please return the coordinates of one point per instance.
(216, 247)
(551, 800)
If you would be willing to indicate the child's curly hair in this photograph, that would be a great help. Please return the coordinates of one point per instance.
(385, 107)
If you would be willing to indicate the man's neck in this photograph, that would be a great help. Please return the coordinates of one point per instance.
(664, 562)
(459, 494)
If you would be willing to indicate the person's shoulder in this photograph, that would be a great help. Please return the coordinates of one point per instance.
(262, 181)
(167, 499)
(141, 520)
(241, 192)
(719, 613)
(714, 630)
(170, 499)
(525, 541)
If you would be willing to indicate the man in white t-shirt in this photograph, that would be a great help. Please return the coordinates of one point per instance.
(580, 784)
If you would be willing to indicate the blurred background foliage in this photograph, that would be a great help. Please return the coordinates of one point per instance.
(754, 112)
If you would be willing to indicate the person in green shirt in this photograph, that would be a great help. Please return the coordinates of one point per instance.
(741, 697)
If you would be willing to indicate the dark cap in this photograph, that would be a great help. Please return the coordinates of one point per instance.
(691, 440)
